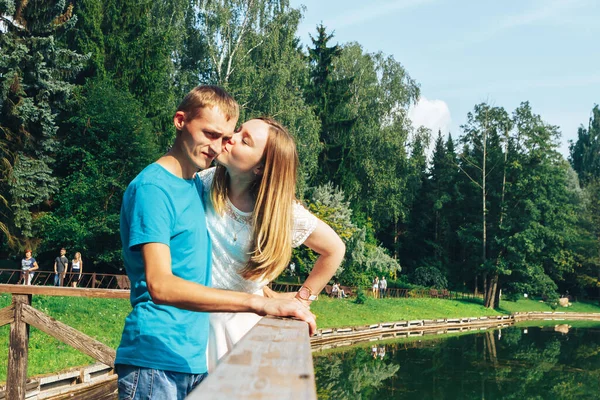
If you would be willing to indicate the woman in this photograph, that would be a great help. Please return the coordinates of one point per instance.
(76, 269)
(254, 219)
(376, 287)
(28, 265)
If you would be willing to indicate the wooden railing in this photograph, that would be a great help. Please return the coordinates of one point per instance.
(85, 280)
(273, 361)
(274, 358)
(390, 292)
(20, 315)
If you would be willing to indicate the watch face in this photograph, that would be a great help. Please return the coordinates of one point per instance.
(304, 293)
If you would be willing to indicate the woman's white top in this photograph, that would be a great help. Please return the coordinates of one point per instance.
(76, 265)
(230, 240)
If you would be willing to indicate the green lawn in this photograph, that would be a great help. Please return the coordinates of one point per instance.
(344, 312)
(103, 320)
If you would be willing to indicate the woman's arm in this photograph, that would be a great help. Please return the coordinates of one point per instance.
(325, 242)
(80, 266)
(35, 266)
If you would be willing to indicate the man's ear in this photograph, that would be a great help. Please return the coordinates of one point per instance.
(179, 120)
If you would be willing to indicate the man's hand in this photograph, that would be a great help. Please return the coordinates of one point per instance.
(287, 308)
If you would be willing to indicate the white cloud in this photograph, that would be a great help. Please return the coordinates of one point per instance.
(432, 114)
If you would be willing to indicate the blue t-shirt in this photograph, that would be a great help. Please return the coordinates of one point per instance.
(159, 207)
(27, 264)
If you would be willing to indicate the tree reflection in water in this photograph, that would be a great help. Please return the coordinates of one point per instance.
(514, 363)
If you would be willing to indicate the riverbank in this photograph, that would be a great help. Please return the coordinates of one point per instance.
(333, 313)
(103, 320)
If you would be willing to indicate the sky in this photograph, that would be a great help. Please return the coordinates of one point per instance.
(466, 52)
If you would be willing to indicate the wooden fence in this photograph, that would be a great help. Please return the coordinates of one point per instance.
(91, 280)
(20, 315)
(274, 357)
(391, 292)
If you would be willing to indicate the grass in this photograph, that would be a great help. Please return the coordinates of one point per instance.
(103, 320)
(344, 312)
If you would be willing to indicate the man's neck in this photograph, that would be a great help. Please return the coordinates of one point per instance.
(174, 162)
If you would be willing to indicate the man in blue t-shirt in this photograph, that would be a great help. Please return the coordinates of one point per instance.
(166, 249)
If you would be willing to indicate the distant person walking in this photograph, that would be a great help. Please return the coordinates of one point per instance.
(376, 287)
(76, 269)
(382, 287)
(60, 267)
(28, 265)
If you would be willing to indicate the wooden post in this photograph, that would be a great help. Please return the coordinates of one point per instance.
(93, 280)
(18, 351)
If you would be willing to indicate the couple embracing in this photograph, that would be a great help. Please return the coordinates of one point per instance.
(199, 239)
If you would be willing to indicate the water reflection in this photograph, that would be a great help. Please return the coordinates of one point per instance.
(558, 362)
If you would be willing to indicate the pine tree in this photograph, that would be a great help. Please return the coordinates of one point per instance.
(34, 86)
(329, 97)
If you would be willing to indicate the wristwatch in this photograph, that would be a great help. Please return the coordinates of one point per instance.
(306, 294)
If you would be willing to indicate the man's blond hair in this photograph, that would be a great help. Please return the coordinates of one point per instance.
(208, 96)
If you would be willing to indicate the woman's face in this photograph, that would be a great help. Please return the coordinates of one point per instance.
(77, 255)
(244, 152)
(27, 254)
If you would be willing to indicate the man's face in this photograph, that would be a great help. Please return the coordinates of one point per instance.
(63, 252)
(203, 137)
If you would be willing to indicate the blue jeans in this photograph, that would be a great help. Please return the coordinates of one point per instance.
(137, 383)
(58, 279)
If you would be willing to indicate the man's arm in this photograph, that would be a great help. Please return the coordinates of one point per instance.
(166, 288)
(55, 271)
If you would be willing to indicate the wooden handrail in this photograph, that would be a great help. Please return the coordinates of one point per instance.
(65, 291)
(85, 279)
(273, 361)
(20, 315)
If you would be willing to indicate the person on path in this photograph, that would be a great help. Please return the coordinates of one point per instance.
(61, 264)
(382, 287)
(76, 269)
(376, 287)
(28, 265)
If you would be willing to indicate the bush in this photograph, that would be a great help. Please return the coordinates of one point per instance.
(430, 277)
(361, 297)
(512, 296)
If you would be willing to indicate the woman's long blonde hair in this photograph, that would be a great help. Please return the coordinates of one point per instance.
(274, 191)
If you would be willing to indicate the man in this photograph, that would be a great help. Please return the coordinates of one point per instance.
(60, 267)
(166, 250)
(382, 287)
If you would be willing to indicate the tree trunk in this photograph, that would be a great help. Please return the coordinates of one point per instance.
(476, 291)
(485, 285)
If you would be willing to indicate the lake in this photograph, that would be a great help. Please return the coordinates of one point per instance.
(540, 360)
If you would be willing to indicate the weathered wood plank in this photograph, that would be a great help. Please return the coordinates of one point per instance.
(104, 390)
(18, 350)
(65, 291)
(7, 315)
(68, 335)
(273, 361)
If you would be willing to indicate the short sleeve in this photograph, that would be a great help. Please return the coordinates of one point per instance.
(150, 214)
(304, 224)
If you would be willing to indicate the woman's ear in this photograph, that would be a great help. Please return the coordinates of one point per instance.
(259, 169)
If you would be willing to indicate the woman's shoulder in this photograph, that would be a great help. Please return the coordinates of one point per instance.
(206, 176)
(304, 223)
